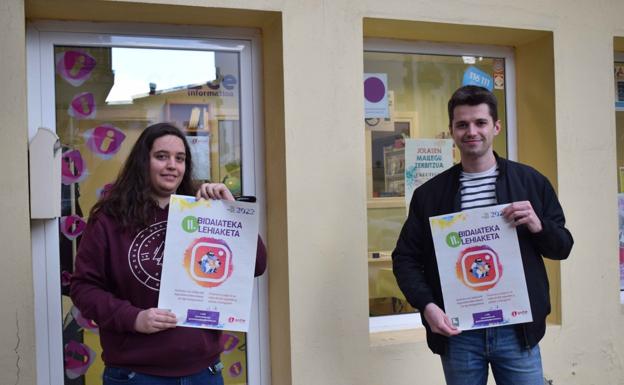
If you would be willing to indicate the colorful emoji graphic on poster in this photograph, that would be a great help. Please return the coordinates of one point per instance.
(208, 261)
(479, 268)
(74, 66)
(105, 140)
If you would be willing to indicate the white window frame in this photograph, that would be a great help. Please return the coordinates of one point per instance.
(41, 38)
(411, 321)
(618, 57)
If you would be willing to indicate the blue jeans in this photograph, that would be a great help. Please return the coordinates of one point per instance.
(469, 353)
(117, 376)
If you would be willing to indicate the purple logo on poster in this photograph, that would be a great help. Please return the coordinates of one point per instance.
(488, 318)
(72, 226)
(202, 317)
(105, 140)
(236, 369)
(74, 67)
(72, 167)
(82, 106)
(229, 342)
(374, 89)
(78, 358)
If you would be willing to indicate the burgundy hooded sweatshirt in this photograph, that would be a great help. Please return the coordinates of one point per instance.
(117, 274)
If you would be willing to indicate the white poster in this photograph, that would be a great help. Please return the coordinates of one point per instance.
(209, 262)
(424, 159)
(480, 268)
(376, 96)
(200, 153)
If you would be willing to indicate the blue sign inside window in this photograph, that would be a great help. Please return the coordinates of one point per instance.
(475, 77)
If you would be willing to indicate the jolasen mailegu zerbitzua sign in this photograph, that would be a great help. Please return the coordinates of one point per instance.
(480, 268)
(209, 261)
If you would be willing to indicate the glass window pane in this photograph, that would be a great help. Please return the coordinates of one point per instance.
(105, 97)
(419, 87)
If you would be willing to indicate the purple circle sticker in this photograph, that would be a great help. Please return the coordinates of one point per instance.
(374, 89)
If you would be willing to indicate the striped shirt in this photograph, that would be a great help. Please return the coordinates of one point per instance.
(478, 189)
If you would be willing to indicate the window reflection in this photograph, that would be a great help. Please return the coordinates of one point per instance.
(419, 87)
(104, 98)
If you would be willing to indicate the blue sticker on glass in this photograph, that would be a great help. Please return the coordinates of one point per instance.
(475, 77)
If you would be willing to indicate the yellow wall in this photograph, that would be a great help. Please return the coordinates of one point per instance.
(537, 142)
(316, 180)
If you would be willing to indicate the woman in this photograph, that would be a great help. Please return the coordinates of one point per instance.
(118, 265)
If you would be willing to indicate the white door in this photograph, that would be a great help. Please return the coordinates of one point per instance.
(98, 89)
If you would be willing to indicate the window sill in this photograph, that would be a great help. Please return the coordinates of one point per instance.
(397, 337)
(418, 335)
(385, 203)
(394, 323)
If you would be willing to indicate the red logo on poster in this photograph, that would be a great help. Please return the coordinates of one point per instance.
(479, 268)
(208, 261)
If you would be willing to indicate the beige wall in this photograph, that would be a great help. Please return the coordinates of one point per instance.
(17, 342)
(316, 174)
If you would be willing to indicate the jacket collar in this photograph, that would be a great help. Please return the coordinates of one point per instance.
(502, 188)
(502, 165)
(501, 162)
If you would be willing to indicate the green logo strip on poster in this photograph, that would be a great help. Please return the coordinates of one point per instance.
(189, 224)
(453, 239)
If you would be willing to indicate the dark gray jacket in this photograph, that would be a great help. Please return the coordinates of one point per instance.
(414, 261)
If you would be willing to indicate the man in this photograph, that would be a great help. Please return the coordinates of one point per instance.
(482, 179)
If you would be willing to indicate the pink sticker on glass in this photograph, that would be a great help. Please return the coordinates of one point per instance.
(72, 167)
(84, 322)
(236, 369)
(74, 67)
(105, 140)
(103, 189)
(65, 278)
(72, 226)
(229, 342)
(82, 106)
(78, 357)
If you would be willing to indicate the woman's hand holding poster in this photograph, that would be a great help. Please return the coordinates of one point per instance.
(480, 268)
(208, 264)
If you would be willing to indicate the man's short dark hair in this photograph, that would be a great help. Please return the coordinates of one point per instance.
(472, 96)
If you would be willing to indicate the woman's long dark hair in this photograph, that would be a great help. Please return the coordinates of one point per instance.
(130, 200)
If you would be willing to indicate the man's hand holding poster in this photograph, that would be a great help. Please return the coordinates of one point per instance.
(480, 268)
(208, 264)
